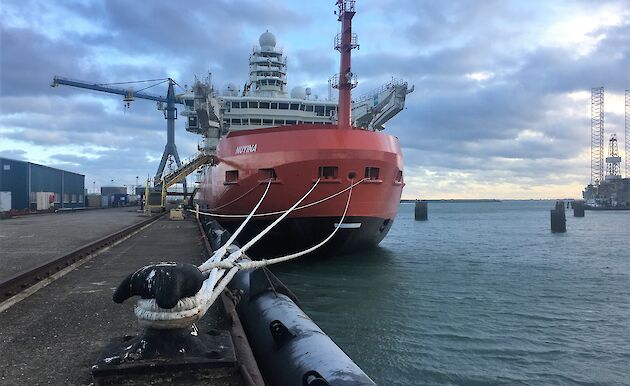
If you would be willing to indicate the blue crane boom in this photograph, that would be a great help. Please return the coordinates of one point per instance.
(58, 80)
(170, 113)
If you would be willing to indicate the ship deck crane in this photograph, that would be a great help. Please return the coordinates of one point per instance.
(373, 109)
(170, 113)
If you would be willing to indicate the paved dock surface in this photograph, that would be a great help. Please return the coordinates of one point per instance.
(27, 241)
(56, 334)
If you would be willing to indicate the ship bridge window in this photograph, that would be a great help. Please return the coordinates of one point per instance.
(301, 107)
(283, 106)
(274, 105)
(236, 105)
(309, 107)
(268, 174)
(243, 105)
(267, 121)
(371, 173)
(319, 110)
(264, 105)
(253, 105)
(254, 121)
(330, 111)
(231, 176)
(328, 172)
(295, 106)
(290, 122)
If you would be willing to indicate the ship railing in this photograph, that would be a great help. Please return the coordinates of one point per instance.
(387, 86)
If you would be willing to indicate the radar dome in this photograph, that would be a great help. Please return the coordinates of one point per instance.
(298, 92)
(267, 39)
(230, 89)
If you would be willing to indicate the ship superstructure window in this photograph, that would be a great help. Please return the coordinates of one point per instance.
(328, 172)
(266, 174)
(319, 110)
(253, 105)
(371, 173)
(264, 105)
(309, 107)
(267, 121)
(283, 106)
(295, 106)
(231, 176)
(255, 121)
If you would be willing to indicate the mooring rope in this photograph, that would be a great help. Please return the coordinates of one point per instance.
(190, 309)
(352, 185)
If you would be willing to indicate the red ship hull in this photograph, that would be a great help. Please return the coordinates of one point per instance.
(300, 155)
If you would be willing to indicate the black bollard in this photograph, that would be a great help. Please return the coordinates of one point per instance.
(578, 208)
(558, 218)
(421, 211)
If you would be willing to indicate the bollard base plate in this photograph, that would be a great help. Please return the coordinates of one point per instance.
(167, 356)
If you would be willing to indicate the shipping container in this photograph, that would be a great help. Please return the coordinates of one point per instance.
(44, 200)
(5, 201)
(119, 199)
(93, 201)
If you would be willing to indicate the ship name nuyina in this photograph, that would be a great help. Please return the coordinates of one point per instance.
(246, 149)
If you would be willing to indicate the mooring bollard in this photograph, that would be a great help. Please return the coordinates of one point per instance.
(421, 211)
(578, 208)
(558, 218)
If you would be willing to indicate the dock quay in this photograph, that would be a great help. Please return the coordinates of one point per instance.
(32, 239)
(68, 319)
(56, 334)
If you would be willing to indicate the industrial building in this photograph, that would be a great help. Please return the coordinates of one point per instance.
(28, 186)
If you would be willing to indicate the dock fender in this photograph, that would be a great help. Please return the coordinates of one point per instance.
(289, 347)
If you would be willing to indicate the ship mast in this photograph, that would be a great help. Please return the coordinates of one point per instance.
(345, 81)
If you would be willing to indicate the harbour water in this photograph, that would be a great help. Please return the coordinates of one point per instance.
(482, 293)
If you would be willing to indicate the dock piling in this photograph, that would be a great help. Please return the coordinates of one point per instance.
(558, 218)
(578, 208)
(421, 211)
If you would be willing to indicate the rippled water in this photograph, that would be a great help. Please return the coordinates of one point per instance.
(482, 293)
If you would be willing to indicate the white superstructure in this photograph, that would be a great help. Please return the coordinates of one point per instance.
(265, 102)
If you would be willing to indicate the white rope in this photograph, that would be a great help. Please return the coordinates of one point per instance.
(237, 198)
(283, 211)
(219, 253)
(265, 262)
(190, 309)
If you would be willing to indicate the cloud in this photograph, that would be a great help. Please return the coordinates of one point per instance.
(502, 88)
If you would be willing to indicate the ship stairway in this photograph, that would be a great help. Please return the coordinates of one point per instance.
(183, 171)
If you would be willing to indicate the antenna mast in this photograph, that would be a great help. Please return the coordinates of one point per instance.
(345, 81)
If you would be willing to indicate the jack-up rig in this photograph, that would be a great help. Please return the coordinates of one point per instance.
(608, 190)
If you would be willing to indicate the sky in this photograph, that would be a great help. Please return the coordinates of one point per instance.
(501, 107)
